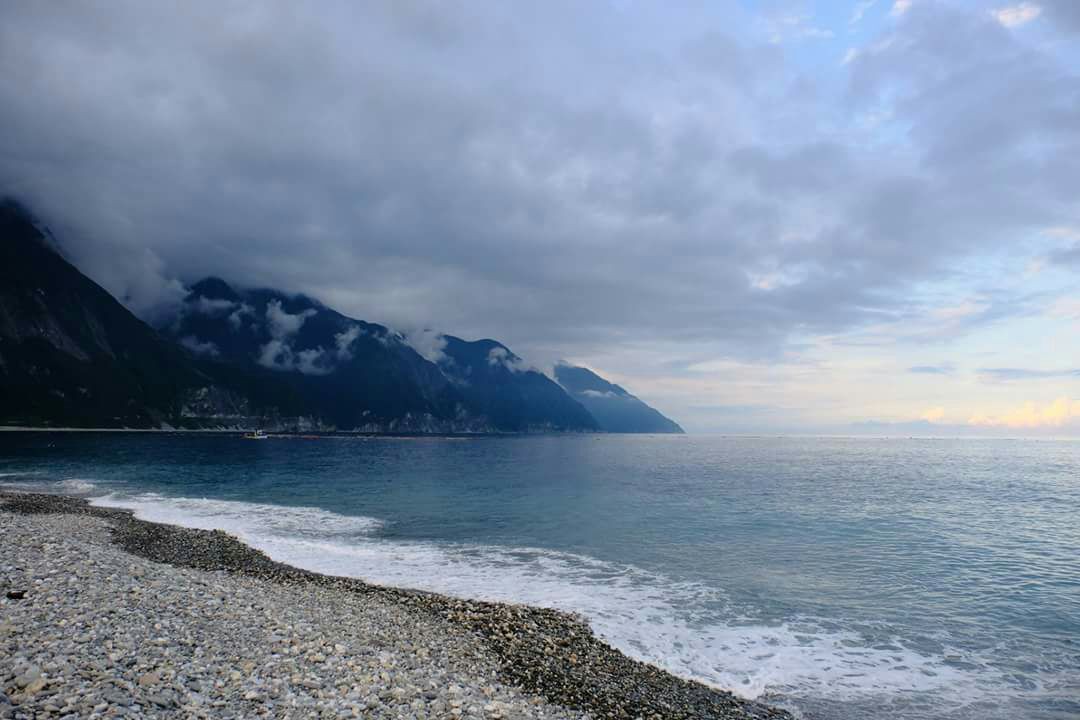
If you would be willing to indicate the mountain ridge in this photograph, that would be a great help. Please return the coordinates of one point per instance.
(615, 409)
(232, 357)
(69, 351)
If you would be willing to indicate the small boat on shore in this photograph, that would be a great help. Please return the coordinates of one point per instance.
(256, 435)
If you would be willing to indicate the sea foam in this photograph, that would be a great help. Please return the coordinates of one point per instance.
(33, 482)
(251, 522)
(78, 486)
(686, 628)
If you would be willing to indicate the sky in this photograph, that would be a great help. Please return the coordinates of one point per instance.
(759, 216)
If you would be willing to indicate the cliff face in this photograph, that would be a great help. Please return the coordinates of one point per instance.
(353, 375)
(498, 385)
(614, 408)
(70, 354)
(362, 376)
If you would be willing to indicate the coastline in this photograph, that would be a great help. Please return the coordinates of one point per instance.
(283, 434)
(544, 661)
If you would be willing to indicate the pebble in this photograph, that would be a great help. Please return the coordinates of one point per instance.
(122, 617)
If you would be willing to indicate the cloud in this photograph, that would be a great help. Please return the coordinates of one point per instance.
(198, 347)
(600, 393)
(947, 322)
(428, 343)
(932, 369)
(313, 362)
(503, 357)
(933, 415)
(236, 317)
(279, 354)
(583, 178)
(276, 355)
(141, 281)
(1016, 15)
(344, 341)
(1067, 256)
(1067, 308)
(1011, 374)
(1066, 233)
(860, 10)
(789, 26)
(281, 324)
(1065, 13)
(210, 306)
(1059, 413)
(900, 7)
(748, 409)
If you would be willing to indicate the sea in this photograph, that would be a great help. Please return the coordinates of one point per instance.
(836, 577)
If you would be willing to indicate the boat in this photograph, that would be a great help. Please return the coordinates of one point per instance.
(256, 435)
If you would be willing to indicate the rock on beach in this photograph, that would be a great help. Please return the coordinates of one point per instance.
(103, 615)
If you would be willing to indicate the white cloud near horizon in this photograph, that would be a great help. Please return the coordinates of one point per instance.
(935, 414)
(1057, 414)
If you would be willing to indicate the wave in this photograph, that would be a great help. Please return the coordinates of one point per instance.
(78, 486)
(686, 628)
(67, 486)
(251, 522)
(647, 616)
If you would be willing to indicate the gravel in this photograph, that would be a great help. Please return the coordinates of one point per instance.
(104, 615)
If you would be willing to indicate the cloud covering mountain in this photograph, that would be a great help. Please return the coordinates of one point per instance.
(72, 356)
(645, 187)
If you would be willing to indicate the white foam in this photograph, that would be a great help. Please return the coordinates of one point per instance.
(68, 486)
(251, 522)
(78, 486)
(644, 614)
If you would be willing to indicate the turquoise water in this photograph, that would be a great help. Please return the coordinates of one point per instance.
(843, 578)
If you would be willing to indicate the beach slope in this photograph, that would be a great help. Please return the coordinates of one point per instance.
(102, 614)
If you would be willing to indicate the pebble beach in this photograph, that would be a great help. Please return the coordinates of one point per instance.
(105, 615)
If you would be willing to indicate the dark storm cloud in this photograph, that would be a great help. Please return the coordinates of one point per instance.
(555, 174)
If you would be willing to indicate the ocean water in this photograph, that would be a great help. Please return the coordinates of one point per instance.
(840, 578)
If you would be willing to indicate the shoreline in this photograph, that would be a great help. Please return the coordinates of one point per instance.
(549, 655)
(317, 434)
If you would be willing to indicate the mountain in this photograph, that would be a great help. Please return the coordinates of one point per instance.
(497, 383)
(351, 374)
(358, 375)
(614, 408)
(70, 354)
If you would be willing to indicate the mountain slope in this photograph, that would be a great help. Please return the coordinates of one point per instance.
(70, 354)
(361, 375)
(614, 408)
(497, 384)
(353, 374)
